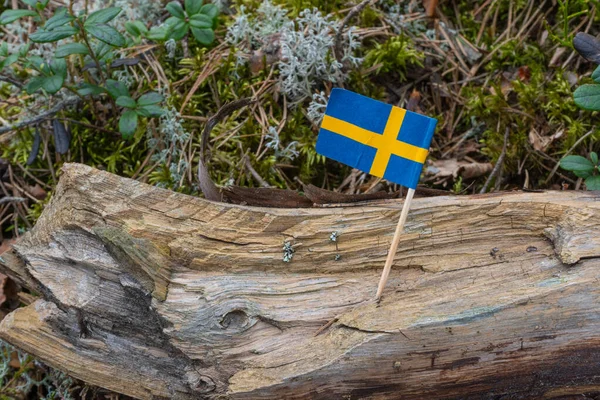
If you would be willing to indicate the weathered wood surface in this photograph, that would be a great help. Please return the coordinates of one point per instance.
(160, 295)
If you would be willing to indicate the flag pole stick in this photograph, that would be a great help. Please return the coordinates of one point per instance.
(392, 253)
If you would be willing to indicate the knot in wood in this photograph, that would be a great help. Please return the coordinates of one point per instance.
(200, 383)
(234, 319)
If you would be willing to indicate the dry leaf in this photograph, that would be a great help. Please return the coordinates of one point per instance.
(524, 73)
(541, 143)
(37, 191)
(267, 55)
(413, 101)
(505, 87)
(454, 168)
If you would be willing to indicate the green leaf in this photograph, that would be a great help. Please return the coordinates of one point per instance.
(58, 66)
(211, 10)
(594, 157)
(60, 18)
(4, 49)
(596, 74)
(582, 174)
(201, 21)
(87, 89)
(150, 98)
(36, 3)
(116, 89)
(151, 111)
(588, 97)
(204, 36)
(9, 16)
(35, 62)
(53, 84)
(175, 9)
(71, 48)
(193, 6)
(576, 163)
(23, 50)
(34, 84)
(8, 61)
(135, 28)
(102, 16)
(158, 33)
(43, 36)
(126, 101)
(593, 183)
(107, 34)
(104, 51)
(41, 5)
(128, 124)
(179, 30)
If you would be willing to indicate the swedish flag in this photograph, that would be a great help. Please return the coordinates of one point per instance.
(375, 137)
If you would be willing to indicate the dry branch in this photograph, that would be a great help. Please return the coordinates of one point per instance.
(161, 295)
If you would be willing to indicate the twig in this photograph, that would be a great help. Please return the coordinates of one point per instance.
(498, 165)
(338, 36)
(11, 199)
(207, 186)
(41, 117)
(255, 174)
(12, 81)
(327, 325)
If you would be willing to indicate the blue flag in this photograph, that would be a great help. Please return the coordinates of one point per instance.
(375, 137)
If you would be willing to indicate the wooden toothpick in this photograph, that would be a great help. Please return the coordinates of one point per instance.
(392, 253)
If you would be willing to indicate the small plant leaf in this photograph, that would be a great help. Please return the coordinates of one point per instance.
(9, 16)
(35, 148)
(60, 18)
(44, 36)
(179, 30)
(62, 138)
(576, 163)
(588, 97)
(588, 46)
(596, 74)
(204, 36)
(58, 66)
(34, 84)
(87, 89)
(150, 111)
(193, 7)
(126, 101)
(582, 174)
(128, 124)
(175, 9)
(102, 16)
(107, 34)
(116, 89)
(135, 28)
(8, 61)
(210, 10)
(201, 21)
(593, 183)
(594, 157)
(150, 98)
(53, 84)
(158, 33)
(71, 48)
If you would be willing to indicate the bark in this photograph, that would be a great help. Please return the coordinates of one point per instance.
(156, 294)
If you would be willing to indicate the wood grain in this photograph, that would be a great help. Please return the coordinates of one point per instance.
(156, 294)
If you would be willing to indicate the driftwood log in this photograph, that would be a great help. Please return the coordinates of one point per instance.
(157, 294)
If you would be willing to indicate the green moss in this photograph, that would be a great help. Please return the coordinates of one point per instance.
(394, 56)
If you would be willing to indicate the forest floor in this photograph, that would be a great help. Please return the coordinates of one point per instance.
(499, 76)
